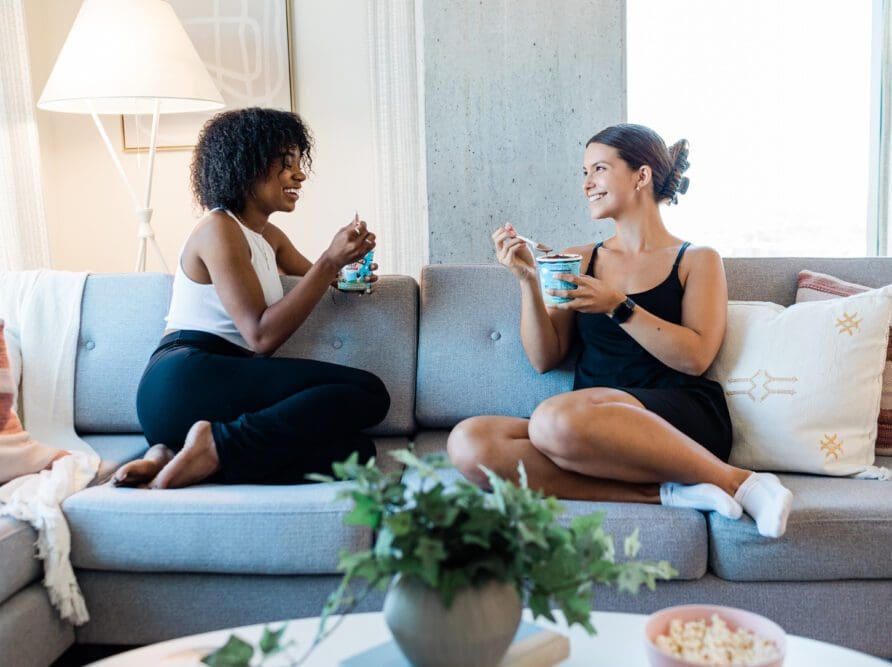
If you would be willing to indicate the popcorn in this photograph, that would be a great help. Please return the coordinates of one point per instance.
(701, 643)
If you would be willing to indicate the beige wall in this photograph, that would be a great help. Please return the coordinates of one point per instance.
(89, 214)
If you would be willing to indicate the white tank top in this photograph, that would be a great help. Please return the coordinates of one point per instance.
(196, 306)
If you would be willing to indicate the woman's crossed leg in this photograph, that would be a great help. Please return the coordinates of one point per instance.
(602, 444)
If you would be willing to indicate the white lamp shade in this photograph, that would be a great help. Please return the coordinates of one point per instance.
(123, 55)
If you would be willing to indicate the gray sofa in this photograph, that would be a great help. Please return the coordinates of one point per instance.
(159, 564)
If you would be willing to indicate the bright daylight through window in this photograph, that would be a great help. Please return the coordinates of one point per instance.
(775, 99)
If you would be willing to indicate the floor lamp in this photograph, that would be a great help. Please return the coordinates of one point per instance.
(130, 57)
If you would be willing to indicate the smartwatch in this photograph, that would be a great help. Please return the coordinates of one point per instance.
(623, 311)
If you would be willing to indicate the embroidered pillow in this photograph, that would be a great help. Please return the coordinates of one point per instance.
(819, 286)
(19, 454)
(803, 383)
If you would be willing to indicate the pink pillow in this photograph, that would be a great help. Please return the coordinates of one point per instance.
(814, 286)
(9, 382)
(19, 454)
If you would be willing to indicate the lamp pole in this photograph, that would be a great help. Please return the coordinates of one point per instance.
(145, 233)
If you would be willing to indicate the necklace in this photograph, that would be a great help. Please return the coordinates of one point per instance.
(263, 248)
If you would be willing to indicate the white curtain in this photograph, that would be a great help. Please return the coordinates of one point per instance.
(23, 236)
(397, 105)
(885, 168)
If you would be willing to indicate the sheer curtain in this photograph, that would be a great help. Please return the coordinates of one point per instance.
(397, 105)
(884, 203)
(23, 235)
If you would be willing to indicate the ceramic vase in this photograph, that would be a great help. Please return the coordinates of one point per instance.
(475, 631)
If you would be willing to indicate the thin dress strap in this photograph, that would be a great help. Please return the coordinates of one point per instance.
(591, 262)
(684, 246)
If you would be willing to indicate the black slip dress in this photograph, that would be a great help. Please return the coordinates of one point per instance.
(609, 357)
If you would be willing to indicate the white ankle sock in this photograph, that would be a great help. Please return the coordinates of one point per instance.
(707, 497)
(767, 501)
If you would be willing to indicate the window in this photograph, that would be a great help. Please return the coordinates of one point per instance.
(775, 98)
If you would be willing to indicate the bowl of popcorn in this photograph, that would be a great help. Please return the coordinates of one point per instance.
(698, 634)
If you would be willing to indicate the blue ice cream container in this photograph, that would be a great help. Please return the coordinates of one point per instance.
(551, 265)
(352, 277)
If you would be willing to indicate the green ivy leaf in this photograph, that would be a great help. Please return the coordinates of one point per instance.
(235, 653)
(430, 552)
(631, 545)
(399, 524)
(270, 640)
(366, 511)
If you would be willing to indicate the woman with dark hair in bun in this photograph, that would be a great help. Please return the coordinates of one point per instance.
(642, 424)
(213, 403)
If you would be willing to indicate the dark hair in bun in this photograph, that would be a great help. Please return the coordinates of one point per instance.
(639, 145)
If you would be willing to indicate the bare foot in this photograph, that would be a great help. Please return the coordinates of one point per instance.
(58, 456)
(196, 461)
(142, 471)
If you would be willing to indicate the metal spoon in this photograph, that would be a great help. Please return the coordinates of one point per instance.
(541, 247)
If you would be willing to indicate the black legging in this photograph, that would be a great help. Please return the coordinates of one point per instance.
(273, 420)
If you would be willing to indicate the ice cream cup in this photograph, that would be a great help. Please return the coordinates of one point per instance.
(352, 277)
(549, 266)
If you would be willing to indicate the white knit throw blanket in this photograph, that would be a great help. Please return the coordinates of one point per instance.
(43, 308)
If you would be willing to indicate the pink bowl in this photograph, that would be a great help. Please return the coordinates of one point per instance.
(658, 624)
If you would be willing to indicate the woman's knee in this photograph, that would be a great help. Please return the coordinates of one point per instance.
(377, 396)
(470, 445)
(565, 429)
(552, 427)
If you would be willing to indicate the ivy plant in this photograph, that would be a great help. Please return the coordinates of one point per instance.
(452, 535)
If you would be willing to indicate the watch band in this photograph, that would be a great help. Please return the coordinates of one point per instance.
(623, 311)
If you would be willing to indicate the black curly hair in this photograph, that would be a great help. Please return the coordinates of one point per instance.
(238, 147)
(638, 145)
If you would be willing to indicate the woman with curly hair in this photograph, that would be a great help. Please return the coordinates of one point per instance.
(212, 402)
(641, 424)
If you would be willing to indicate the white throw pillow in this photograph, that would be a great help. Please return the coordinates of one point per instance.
(803, 383)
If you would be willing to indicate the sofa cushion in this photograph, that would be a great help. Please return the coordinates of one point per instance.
(377, 332)
(774, 278)
(115, 450)
(122, 320)
(838, 529)
(470, 358)
(31, 632)
(245, 529)
(18, 565)
(676, 535)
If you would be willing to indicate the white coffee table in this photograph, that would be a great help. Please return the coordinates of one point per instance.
(617, 644)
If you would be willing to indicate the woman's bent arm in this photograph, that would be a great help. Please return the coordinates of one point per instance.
(228, 261)
(689, 347)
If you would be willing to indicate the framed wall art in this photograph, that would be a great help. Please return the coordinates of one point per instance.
(246, 47)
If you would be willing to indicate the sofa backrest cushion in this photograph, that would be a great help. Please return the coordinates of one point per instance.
(470, 358)
(122, 320)
(776, 278)
(377, 332)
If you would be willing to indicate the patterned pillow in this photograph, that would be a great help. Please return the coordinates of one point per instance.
(10, 377)
(814, 286)
(803, 383)
(19, 454)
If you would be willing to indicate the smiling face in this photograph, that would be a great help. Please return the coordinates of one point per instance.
(280, 190)
(609, 184)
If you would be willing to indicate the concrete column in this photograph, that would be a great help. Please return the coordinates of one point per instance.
(513, 90)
